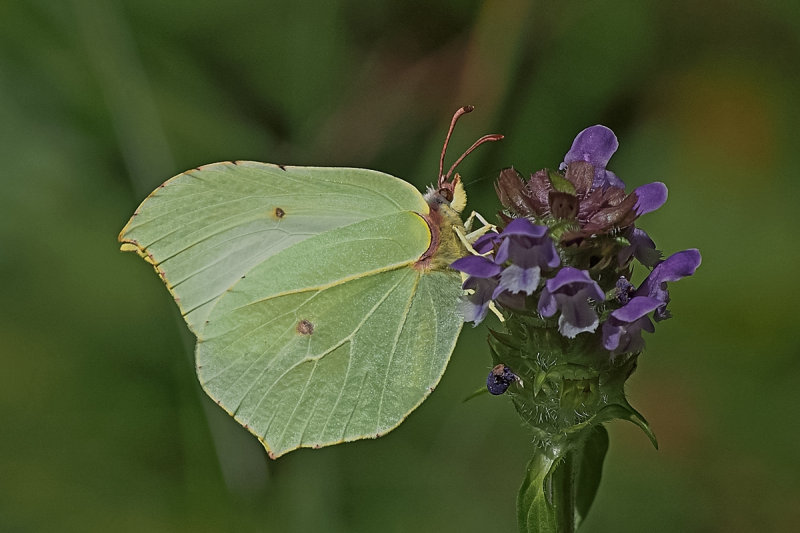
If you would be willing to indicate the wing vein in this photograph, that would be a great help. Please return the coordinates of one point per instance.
(299, 401)
(400, 329)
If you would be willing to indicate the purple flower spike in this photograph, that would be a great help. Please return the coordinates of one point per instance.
(596, 145)
(622, 332)
(569, 292)
(650, 197)
(678, 265)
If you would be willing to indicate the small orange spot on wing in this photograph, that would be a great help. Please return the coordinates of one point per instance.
(304, 327)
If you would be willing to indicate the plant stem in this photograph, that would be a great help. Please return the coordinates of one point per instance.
(562, 482)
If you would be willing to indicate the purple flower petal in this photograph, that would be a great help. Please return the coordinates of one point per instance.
(596, 145)
(571, 275)
(650, 197)
(569, 292)
(612, 334)
(577, 315)
(475, 306)
(485, 242)
(526, 245)
(477, 266)
(547, 303)
(523, 226)
(472, 311)
(608, 179)
(641, 247)
(620, 337)
(678, 265)
(622, 332)
(638, 307)
(501, 255)
(515, 279)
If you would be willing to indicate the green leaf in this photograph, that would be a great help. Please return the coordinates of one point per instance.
(474, 394)
(625, 412)
(536, 511)
(561, 483)
(589, 460)
(313, 324)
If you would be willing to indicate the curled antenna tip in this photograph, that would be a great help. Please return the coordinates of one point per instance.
(484, 139)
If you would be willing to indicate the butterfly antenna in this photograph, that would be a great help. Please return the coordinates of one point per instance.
(484, 139)
(461, 111)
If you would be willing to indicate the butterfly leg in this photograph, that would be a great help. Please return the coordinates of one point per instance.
(468, 238)
(483, 229)
(465, 240)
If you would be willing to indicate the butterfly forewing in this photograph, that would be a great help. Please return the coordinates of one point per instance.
(206, 228)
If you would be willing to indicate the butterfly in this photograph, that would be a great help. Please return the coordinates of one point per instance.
(321, 297)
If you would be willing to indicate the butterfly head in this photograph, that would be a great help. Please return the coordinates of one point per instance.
(446, 202)
(449, 189)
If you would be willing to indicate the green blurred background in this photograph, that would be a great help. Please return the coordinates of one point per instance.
(104, 427)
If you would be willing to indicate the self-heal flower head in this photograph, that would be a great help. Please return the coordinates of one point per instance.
(569, 292)
(569, 250)
(529, 249)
